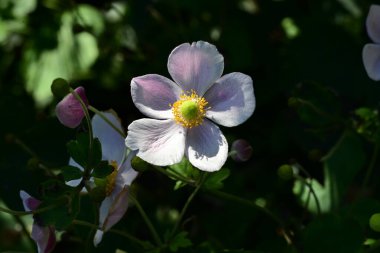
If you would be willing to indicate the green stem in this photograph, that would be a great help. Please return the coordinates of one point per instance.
(96, 111)
(371, 165)
(87, 169)
(22, 213)
(186, 206)
(147, 221)
(114, 231)
(173, 174)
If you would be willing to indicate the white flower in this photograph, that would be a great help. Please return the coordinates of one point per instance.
(371, 51)
(185, 110)
(115, 204)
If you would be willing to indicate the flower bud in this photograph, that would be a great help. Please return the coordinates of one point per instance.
(241, 150)
(69, 111)
(374, 222)
(285, 172)
(60, 88)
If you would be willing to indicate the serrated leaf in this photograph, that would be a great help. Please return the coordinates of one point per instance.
(71, 173)
(215, 180)
(179, 241)
(102, 170)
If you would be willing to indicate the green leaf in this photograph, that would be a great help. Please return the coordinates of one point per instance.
(71, 173)
(333, 234)
(65, 210)
(78, 149)
(215, 180)
(341, 165)
(102, 170)
(184, 169)
(179, 241)
(72, 58)
(96, 152)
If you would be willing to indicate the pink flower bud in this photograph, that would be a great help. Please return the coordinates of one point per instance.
(241, 150)
(69, 110)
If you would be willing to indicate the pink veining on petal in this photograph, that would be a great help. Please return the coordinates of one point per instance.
(69, 110)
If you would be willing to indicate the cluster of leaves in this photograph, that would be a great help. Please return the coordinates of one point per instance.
(328, 135)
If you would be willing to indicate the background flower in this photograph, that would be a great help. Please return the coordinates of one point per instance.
(371, 52)
(184, 110)
(115, 204)
(44, 236)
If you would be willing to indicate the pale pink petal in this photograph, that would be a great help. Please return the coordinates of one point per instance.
(28, 201)
(113, 147)
(69, 110)
(159, 142)
(126, 174)
(98, 237)
(44, 238)
(206, 147)
(373, 23)
(371, 60)
(153, 95)
(112, 209)
(231, 100)
(196, 66)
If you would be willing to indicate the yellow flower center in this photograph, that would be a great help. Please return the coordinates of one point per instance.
(111, 179)
(189, 110)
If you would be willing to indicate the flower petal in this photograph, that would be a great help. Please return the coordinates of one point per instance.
(153, 95)
(126, 174)
(159, 142)
(28, 201)
(231, 100)
(112, 209)
(98, 237)
(44, 238)
(195, 66)
(373, 23)
(371, 60)
(69, 110)
(113, 147)
(206, 147)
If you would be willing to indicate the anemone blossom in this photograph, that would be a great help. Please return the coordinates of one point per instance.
(184, 111)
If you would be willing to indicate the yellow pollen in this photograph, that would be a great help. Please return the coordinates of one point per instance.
(189, 110)
(111, 179)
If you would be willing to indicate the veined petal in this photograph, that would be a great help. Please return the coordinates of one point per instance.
(28, 201)
(371, 60)
(113, 147)
(126, 174)
(231, 100)
(44, 238)
(153, 95)
(159, 142)
(112, 209)
(195, 66)
(69, 110)
(206, 147)
(373, 23)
